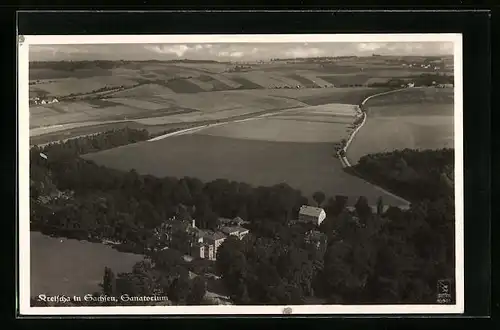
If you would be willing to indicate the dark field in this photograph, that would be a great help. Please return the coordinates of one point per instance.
(48, 73)
(348, 96)
(348, 79)
(183, 86)
(303, 81)
(245, 83)
(306, 166)
(72, 267)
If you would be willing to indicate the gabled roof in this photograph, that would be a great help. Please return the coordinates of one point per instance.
(310, 210)
(234, 229)
(229, 230)
(212, 235)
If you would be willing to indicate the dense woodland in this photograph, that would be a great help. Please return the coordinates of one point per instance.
(369, 257)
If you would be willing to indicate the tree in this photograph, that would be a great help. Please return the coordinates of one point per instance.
(362, 207)
(243, 213)
(380, 206)
(319, 197)
(109, 282)
(179, 290)
(198, 291)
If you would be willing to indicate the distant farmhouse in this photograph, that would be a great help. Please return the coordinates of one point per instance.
(37, 100)
(311, 214)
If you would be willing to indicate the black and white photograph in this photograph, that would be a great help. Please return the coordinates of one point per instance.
(250, 174)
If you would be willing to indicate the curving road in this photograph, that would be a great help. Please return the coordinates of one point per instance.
(345, 162)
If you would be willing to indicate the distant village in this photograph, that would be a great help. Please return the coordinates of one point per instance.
(37, 100)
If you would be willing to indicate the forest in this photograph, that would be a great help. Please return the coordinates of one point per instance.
(381, 257)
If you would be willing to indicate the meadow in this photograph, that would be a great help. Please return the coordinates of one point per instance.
(306, 166)
(419, 118)
(72, 267)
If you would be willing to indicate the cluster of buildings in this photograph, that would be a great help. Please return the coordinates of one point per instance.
(203, 244)
(423, 66)
(37, 100)
(207, 243)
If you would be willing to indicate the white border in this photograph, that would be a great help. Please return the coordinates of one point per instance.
(23, 170)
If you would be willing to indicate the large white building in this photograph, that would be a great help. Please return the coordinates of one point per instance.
(311, 214)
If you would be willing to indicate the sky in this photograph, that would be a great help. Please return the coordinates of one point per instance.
(233, 51)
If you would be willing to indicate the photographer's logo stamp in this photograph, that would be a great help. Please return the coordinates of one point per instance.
(444, 291)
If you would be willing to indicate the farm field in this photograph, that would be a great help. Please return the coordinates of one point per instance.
(325, 123)
(281, 130)
(72, 267)
(415, 118)
(306, 166)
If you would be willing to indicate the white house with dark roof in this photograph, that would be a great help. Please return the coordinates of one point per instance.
(311, 214)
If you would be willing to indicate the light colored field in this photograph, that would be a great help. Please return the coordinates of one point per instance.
(137, 103)
(326, 109)
(281, 130)
(207, 67)
(319, 96)
(37, 131)
(225, 100)
(41, 111)
(282, 80)
(143, 91)
(306, 166)
(316, 118)
(63, 268)
(198, 116)
(71, 107)
(92, 114)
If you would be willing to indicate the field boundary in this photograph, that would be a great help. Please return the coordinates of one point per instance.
(343, 156)
(344, 160)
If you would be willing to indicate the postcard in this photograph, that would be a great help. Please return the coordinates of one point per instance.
(240, 174)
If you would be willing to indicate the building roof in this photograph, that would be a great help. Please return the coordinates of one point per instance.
(229, 230)
(310, 210)
(233, 229)
(212, 235)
